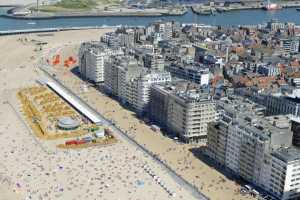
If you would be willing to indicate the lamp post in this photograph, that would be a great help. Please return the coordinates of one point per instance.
(37, 5)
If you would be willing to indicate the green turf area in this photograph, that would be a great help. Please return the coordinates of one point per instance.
(76, 4)
(109, 2)
(56, 9)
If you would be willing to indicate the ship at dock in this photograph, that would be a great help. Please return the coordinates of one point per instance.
(204, 10)
(271, 6)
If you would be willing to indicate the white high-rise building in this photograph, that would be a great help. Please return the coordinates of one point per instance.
(284, 177)
(183, 109)
(91, 60)
(142, 86)
(119, 70)
(154, 61)
(95, 65)
(255, 147)
(164, 29)
(129, 81)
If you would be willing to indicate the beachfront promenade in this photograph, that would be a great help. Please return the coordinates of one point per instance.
(177, 178)
(41, 30)
(121, 166)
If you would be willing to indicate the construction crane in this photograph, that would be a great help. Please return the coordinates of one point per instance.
(187, 87)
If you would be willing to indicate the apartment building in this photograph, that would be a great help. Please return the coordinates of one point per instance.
(119, 70)
(283, 101)
(194, 73)
(122, 37)
(284, 179)
(143, 84)
(296, 130)
(183, 109)
(275, 25)
(244, 140)
(280, 104)
(84, 47)
(166, 30)
(290, 45)
(112, 39)
(154, 61)
(268, 70)
(131, 82)
(92, 56)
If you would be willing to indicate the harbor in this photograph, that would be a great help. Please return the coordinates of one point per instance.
(111, 13)
(213, 9)
(34, 12)
(234, 18)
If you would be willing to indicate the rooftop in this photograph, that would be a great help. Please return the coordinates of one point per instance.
(287, 154)
(75, 102)
(67, 122)
(192, 67)
(186, 91)
(250, 116)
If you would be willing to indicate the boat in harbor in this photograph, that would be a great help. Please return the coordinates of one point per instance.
(176, 11)
(204, 10)
(272, 6)
(222, 9)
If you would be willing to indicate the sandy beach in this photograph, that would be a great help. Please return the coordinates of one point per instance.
(180, 157)
(37, 170)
